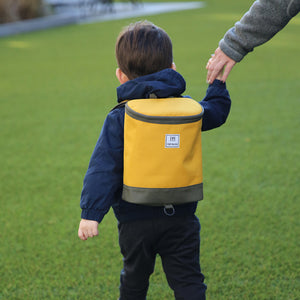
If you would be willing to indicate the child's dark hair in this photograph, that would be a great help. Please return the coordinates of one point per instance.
(143, 48)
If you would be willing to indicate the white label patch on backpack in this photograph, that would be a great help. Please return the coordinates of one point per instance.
(172, 141)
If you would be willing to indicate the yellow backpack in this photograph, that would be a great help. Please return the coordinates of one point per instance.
(162, 151)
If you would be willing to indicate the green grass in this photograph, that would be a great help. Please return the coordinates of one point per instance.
(56, 87)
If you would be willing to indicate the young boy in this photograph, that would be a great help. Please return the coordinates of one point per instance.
(146, 68)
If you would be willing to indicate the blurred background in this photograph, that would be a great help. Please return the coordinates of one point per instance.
(56, 88)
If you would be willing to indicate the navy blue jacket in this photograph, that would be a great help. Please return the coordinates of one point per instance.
(103, 182)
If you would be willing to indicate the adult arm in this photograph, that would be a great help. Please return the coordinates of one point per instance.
(264, 19)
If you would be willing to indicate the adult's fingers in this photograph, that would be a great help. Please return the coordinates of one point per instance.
(216, 64)
(228, 69)
(214, 68)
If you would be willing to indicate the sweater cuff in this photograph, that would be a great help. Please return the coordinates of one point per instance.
(218, 84)
(230, 52)
(92, 214)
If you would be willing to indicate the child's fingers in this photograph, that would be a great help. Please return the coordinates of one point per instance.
(81, 235)
(87, 228)
(92, 232)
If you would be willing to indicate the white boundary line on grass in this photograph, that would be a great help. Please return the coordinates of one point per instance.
(75, 16)
(127, 10)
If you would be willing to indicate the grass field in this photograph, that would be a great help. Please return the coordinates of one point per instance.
(56, 87)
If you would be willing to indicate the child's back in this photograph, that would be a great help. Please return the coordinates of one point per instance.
(146, 69)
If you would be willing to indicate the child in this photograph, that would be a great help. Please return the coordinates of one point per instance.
(146, 68)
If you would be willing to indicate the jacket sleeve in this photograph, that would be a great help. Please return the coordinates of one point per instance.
(263, 20)
(104, 176)
(216, 105)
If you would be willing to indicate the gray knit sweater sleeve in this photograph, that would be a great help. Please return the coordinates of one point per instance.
(264, 19)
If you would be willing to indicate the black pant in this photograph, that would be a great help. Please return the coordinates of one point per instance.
(177, 241)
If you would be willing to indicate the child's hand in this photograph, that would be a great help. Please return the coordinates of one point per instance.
(87, 228)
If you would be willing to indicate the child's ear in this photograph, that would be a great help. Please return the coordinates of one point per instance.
(121, 76)
(173, 66)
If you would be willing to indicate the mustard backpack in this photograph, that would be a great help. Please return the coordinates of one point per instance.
(162, 151)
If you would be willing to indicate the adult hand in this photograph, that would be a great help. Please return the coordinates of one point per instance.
(215, 65)
(87, 228)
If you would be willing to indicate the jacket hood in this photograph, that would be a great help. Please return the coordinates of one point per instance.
(163, 84)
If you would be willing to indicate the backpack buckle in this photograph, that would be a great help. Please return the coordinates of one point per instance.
(169, 210)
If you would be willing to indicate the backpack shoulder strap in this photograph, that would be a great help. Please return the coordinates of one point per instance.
(121, 104)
